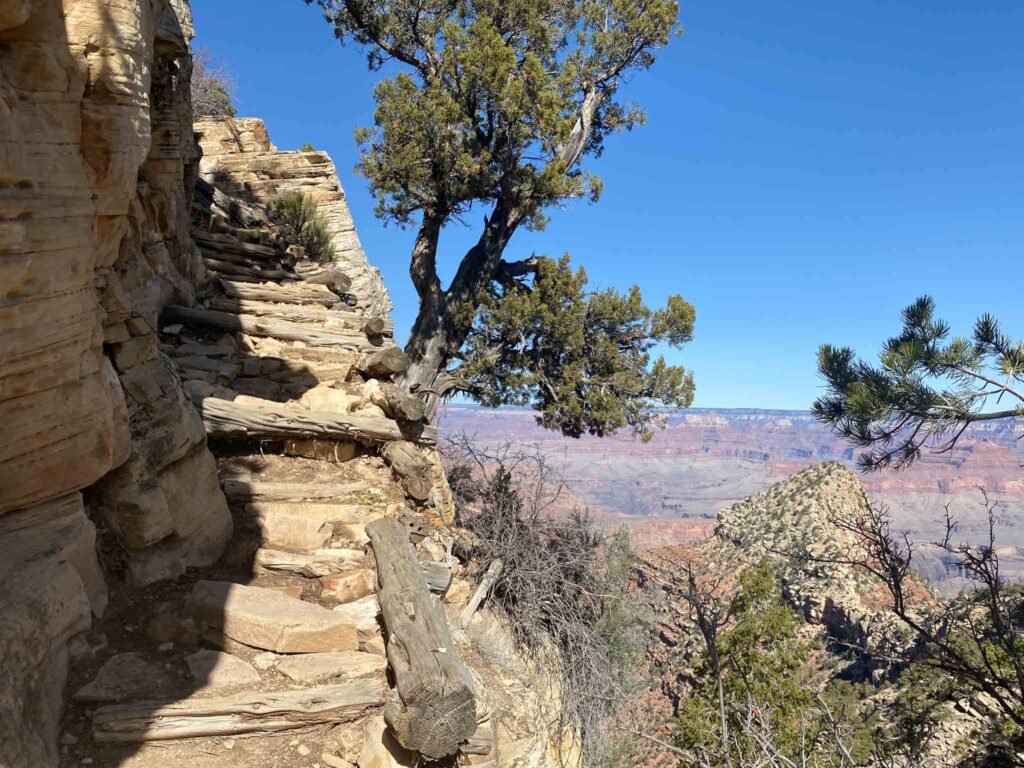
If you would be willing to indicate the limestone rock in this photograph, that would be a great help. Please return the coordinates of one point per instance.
(380, 750)
(215, 669)
(124, 677)
(309, 668)
(363, 614)
(349, 586)
(269, 620)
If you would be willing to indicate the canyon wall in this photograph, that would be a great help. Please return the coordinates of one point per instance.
(97, 162)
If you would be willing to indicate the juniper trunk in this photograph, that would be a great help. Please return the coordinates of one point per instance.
(446, 317)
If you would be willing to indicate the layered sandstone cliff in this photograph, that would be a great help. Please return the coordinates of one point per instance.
(239, 158)
(96, 165)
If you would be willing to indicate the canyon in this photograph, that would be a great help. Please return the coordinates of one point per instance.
(669, 491)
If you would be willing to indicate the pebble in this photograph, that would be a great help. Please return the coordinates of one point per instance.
(302, 749)
(86, 760)
(164, 647)
(229, 744)
(68, 738)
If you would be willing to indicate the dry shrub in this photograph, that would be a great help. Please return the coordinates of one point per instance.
(213, 87)
(562, 582)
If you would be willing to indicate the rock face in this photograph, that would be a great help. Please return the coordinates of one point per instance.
(239, 158)
(97, 161)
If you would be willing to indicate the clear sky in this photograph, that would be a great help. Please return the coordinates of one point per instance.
(807, 169)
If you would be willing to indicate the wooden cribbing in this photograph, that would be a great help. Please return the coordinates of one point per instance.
(249, 712)
(228, 419)
(303, 314)
(433, 706)
(298, 293)
(270, 327)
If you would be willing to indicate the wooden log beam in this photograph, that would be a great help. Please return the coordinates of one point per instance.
(303, 314)
(228, 244)
(313, 565)
(299, 293)
(270, 491)
(227, 419)
(269, 327)
(484, 589)
(433, 708)
(249, 712)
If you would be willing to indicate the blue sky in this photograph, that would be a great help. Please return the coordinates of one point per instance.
(806, 170)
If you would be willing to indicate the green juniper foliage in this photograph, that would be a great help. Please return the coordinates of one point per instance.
(497, 104)
(925, 391)
(579, 357)
(762, 699)
(301, 213)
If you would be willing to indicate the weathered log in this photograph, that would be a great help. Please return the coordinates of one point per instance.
(412, 468)
(486, 584)
(268, 491)
(269, 327)
(385, 363)
(250, 712)
(438, 577)
(320, 562)
(285, 294)
(236, 278)
(302, 314)
(239, 265)
(229, 244)
(228, 419)
(433, 708)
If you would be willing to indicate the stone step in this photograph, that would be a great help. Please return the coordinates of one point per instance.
(266, 619)
(314, 668)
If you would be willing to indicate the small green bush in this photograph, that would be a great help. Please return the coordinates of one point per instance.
(307, 147)
(299, 212)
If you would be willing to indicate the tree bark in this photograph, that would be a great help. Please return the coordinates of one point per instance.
(446, 317)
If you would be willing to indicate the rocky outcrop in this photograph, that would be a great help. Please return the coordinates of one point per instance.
(96, 165)
(239, 158)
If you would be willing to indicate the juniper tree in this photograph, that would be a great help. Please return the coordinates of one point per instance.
(496, 105)
(926, 390)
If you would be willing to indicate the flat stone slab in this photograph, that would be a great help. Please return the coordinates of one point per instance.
(363, 615)
(270, 620)
(215, 669)
(310, 668)
(125, 676)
